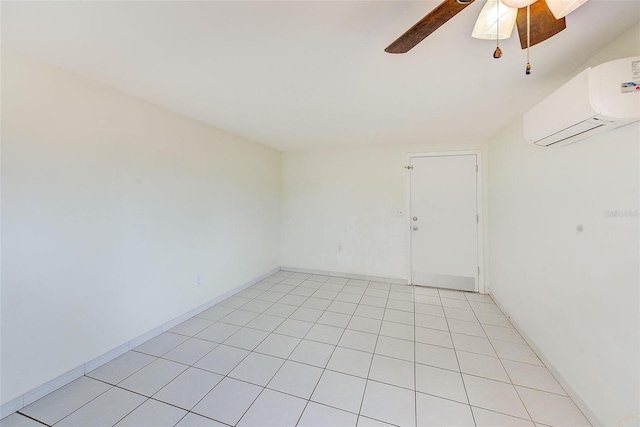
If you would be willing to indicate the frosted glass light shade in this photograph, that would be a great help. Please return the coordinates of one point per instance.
(517, 4)
(561, 8)
(487, 27)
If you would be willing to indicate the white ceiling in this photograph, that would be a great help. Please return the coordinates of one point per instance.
(298, 75)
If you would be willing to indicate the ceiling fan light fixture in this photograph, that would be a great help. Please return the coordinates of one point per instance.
(495, 22)
(517, 4)
(561, 8)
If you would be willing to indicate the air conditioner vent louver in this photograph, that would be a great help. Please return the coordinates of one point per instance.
(592, 102)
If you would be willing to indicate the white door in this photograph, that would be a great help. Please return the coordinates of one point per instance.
(444, 221)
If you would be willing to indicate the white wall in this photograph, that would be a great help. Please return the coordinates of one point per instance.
(110, 209)
(349, 198)
(574, 293)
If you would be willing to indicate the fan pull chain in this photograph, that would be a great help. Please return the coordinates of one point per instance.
(528, 69)
(498, 52)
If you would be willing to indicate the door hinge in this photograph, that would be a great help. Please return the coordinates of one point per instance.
(477, 169)
(477, 219)
(478, 270)
(408, 167)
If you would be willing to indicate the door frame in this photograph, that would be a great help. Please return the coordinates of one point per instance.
(479, 206)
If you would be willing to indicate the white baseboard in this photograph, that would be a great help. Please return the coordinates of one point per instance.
(64, 379)
(392, 280)
(588, 413)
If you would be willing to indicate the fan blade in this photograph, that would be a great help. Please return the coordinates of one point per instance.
(427, 25)
(543, 24)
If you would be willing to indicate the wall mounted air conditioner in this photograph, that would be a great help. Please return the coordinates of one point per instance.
(596, 100)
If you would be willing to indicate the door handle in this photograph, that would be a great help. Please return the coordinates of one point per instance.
(415, 228)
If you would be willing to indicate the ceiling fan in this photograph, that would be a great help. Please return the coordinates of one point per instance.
(537, 20)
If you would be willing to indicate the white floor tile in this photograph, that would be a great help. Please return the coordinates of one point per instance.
(17, 420)
(348, 297)
(551, 409)
(191, 326)
(188, 388)
(446, 293)
(234, 302)
(278, 345)
(194, 420)
(55, 406)
(373, 301)
(429, 309)
(349, 361)
(313, 353)
(307, 314)
(317, 303)
(228, 401)
(433, 337)
(320, 293)
(222, 359)
(390, 404)
(432, 322)
(483, 307)
(370, 422)
(271, 296)
(190, 351)
(148, 380)
(397, 330)
(460, 314)
(324, 333)
(282, 310)
(342, 307)
(249, 293)
(503, 334)
(153, 414)
(340, 391)
(338, 320)
(257, 369)
(516, 352)
(266, 322)
(316, 415)
(439, 357)
(218, 332)
(482, 366)
(105, 410)
(466, 328)
(302, 291)
(493, 319)
(294, 328)
(246, 338)
(473, 344)
(494, 395)
(273, 409)
(393, 371)
(257, 306)
(294, 300)
(399, 316)
(395, 304)
(486, 418)
(441, 383)
(455, 303)
(296, 378)
(393, 347)
(358, 340)
(400, 295)
(239, 317)
(369, 311)
(121, 367)
(436, 412)
(531, 376)
(365, 324)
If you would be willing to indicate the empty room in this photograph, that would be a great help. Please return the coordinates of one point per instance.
(320, 213)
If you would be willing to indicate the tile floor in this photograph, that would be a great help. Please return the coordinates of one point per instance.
(307, 350)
